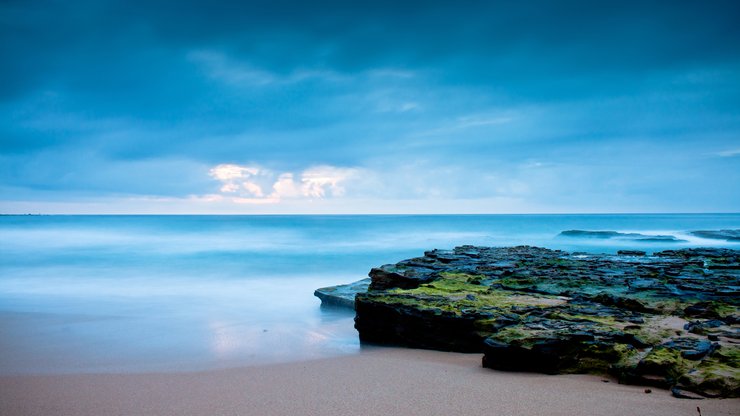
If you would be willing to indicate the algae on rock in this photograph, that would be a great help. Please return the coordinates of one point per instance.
(670, 319)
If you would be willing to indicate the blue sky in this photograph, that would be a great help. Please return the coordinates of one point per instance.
(369, 107)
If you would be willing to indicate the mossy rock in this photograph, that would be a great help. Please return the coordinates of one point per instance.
(535, 309)
(664, 362)
(712, 378)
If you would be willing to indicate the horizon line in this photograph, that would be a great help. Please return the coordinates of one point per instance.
(353, 214)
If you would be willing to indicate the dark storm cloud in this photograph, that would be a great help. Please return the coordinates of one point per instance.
(124, 47)
(155, 86)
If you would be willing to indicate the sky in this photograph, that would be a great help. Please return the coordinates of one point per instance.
(353, 107)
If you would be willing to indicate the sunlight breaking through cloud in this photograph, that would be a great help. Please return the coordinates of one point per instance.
(256, 185)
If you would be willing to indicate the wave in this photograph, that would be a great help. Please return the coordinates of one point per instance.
(621, 236)
(727, 235)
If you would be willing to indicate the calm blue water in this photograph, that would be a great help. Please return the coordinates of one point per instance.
(151, 293)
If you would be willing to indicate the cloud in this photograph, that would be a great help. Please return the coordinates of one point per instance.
(240, 73)
(240, 180)
(227, 172)
(343, 100)
(218, 66)
(476, 121)
(320, 181)
(286, 187)
(250, 184)
(430, 180)
(729, 153)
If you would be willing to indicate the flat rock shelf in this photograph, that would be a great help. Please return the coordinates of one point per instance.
(670, 319)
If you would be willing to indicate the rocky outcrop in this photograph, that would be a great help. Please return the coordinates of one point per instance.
(670, 319)
(342, 295)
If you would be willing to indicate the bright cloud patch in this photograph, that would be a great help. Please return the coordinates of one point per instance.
(319, 181)
(241, 180)
(252, 184)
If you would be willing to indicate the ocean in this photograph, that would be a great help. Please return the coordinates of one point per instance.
(96, 294)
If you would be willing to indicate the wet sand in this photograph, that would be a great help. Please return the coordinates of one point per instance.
(379, 381)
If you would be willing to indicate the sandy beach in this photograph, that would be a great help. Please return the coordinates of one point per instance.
(377, 381)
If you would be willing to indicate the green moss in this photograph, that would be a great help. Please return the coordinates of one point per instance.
(458, 291)
(517, 281)
(447, 286)
(722, 309)
(714, 376)
(462, 277)
(605, 321)
(522, 336)
(511, 334)
(652, 332)
(665, 362)
(661, 356)
(629, 356)
(599, 358)
(728, 354)
(428, 305)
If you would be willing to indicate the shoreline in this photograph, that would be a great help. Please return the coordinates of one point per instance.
(377, 381)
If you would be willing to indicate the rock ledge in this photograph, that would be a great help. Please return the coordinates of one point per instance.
(669, 320)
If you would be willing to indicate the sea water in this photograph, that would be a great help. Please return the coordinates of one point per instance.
(167, 293)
